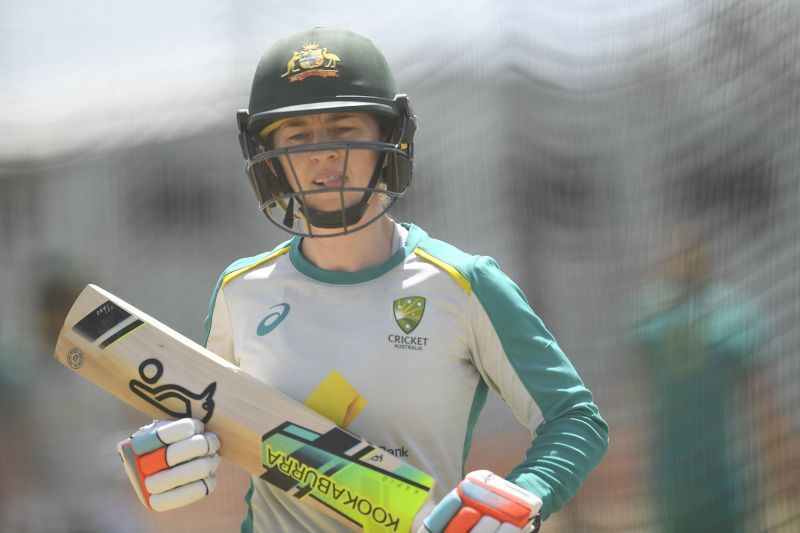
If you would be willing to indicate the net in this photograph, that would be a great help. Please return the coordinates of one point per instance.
(633, 167)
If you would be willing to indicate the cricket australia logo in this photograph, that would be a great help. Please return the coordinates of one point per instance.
(311, 61)
(408, 313)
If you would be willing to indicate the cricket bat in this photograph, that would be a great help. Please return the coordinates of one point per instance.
(165, 375)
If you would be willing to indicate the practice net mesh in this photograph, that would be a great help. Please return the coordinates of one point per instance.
(635, 169)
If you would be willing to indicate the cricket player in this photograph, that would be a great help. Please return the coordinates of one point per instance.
(388, 332)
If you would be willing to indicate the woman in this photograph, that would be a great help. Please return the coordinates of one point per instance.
(385, 330)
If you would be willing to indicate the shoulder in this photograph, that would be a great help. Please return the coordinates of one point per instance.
(237, 268)
(246, 264)
(734, 311)
(474, 273)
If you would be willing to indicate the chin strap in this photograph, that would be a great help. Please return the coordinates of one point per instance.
(288, 218)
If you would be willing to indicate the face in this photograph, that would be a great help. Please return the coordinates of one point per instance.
(689, 261)
(324, 170)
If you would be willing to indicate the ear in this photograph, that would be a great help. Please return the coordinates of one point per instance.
(387, 128)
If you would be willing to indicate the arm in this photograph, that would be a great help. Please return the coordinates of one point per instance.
(219, 332)
(519, 359)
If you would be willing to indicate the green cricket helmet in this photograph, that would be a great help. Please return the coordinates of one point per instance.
(324, 71)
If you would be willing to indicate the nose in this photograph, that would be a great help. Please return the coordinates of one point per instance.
(325, 154)
(322, 155)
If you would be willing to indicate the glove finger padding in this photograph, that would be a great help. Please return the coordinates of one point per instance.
(496, 497)
(487, 524)
(443, 513)
(511, 528)
(171, 463)
(183, 495)
(484, 503)
(179, 452)
(181, 474)
(163, 432)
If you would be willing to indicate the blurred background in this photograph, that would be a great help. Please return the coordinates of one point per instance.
(633, 166)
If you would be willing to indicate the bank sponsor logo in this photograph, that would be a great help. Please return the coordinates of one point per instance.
(272, 320)
(402, 451)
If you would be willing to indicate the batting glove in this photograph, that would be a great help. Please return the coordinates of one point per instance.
(485, 503)
(171, 463)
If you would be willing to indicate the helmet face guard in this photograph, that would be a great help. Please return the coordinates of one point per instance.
(325, 71)
(285, 202)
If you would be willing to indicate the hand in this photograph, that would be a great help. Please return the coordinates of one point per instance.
(485, 503)
(171, 463)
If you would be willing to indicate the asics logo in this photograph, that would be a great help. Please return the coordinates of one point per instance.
(272, 320)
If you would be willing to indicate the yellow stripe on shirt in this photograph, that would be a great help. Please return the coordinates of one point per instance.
(459, 278)
(230, 275)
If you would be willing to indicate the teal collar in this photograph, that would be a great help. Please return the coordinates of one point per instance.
(334, 277)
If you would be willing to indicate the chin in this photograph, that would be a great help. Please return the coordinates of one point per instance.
(334, 205)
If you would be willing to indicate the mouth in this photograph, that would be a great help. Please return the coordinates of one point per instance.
(334, 181)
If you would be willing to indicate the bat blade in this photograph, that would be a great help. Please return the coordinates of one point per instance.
(163, 374)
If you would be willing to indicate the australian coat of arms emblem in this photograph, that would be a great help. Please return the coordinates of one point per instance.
(311, 61)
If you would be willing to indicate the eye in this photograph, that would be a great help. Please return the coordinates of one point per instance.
(294, 138)
(342, 130)
(297, 137)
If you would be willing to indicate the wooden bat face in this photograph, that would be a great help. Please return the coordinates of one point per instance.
(159, 372)
(173, 399)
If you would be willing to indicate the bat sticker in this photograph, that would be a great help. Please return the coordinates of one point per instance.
(173, 399)
(103, 320)
(334, 468)
(75, 358)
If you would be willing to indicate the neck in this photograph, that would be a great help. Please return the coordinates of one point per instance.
(353, 252)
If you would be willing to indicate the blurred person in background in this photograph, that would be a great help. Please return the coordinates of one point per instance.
(48, 411)
(15, 377)
(700, 340)
(329, 142)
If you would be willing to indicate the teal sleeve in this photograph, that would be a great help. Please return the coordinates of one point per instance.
(573, 437)
(207, 323)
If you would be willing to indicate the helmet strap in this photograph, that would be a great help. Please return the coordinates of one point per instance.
(288, 218)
